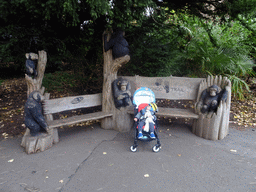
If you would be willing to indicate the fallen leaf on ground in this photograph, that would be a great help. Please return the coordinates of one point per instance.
(104, 153)
(11, 160)
(179, 155)
(146, 175)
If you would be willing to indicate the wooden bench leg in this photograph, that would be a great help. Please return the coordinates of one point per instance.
(123, 121)
(55, 135)
(213, 126)
(33, 144)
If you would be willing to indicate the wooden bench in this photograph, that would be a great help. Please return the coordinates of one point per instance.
(211, 126)
(51, 106)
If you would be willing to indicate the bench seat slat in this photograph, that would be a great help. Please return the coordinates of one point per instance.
(174, 112)
(78, 119)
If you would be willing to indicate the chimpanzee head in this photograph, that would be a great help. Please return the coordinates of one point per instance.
(122, 84)
(214, 90)
(119, 32)
(37, 96)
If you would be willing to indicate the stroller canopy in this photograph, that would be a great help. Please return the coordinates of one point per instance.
(143, 95)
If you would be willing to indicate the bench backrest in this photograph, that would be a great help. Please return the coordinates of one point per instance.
(70, 103)
(173, 88)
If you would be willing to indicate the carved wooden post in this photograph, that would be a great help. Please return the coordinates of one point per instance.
(44, 141)
(36, 84)
(121, 119)
(213, 126)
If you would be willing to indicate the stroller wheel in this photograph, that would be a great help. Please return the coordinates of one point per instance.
(156, 148)
(133, 149)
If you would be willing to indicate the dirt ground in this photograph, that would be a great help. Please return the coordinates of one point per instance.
(13, 94)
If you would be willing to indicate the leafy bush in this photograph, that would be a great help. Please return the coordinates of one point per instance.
(220, 50)
(59, 81)
(192, 47)
(1, 81)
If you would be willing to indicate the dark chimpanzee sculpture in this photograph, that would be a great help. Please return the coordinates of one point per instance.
(30, 67)
(34, 119)
(117, 43)
(211, 97)
(121, 92)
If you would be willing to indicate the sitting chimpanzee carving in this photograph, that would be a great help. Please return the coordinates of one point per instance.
(211, 97)
(121, 91)
(31, 67)
(34, 119)
(117, 43)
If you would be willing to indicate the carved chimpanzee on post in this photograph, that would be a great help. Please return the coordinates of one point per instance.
(211, 97)
(34, 119)
(121, 92)
(30, 67)
(117, 43)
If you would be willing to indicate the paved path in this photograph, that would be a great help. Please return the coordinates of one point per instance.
(96, 160)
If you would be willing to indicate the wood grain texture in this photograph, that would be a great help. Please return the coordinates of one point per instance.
(36, 84)
(70, 103)
(121, 120)
(174, 112)
(78, 119)
(213, 126)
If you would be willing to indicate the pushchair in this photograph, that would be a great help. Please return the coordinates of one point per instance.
(142, 98)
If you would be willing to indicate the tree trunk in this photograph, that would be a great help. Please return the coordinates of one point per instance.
(121, 120)
(36, 84)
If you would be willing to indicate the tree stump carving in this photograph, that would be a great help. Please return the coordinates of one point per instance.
(213, 125)
(121, 120)
(45, 140)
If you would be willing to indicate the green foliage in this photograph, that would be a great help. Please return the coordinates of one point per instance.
(221, 50)
(1, 81)
(193, 47)
(59, 81)
(172, 40)
(53, 26)
(239, 86)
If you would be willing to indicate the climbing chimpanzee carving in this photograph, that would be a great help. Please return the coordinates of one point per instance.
(34, 119)
(211, 97)
(117, 43)
(30, 67)
(121, 92)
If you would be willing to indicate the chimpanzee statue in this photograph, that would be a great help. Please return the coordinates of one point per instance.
(121, 92)
(211, 97)
(117, 43)
(31, 67)
(34, 119)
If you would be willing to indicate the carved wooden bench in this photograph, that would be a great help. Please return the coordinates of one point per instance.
(211, 126)
(51, 106)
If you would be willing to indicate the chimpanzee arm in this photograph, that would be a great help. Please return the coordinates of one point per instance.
(123, 42)
(224, 95)
(108, 45)
(203, 96)
(35, 73)
(36, 112)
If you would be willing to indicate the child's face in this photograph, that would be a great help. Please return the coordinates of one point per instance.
(148, 107)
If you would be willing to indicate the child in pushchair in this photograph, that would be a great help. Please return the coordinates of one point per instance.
(145, 126)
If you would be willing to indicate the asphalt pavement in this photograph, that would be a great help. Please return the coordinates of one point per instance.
(97, 160)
